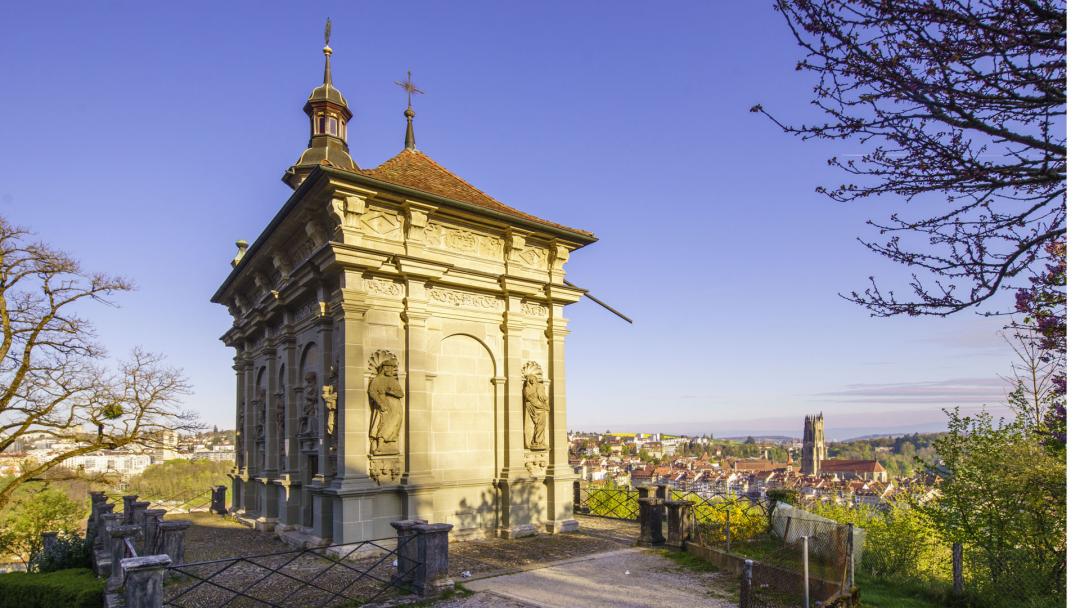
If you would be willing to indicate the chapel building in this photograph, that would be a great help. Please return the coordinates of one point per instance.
(400, 351)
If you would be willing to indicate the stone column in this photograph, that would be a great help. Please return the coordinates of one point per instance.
(679, 514)
(272, 445)
(352, 421)
(170, 540)
(407, 560)
(138, 513)
(106, 521)
(143, 578)
(432, 554)
(651, 518)
(560, 476)
(152, 518)
(117, 536)
(96, 500)
(419, 369)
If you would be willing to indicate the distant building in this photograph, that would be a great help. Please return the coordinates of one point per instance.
(813, 446)
(866, 470)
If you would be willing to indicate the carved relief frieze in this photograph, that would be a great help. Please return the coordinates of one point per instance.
(379, 223)
(384, 287)
(452, 297)
(532, 309)
(533, 257)
(536, 463)
(462, 240)
(384, 470)
(301, 252)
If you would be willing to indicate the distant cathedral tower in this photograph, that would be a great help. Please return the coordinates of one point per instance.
(813, 447)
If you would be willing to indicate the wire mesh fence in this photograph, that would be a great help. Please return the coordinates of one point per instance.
(794, 553)
(608, 501)
(330, 577)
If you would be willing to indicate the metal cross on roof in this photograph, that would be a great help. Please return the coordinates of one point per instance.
(409, 86)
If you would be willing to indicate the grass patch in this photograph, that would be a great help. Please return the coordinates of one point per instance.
(688, 561)
(459, 591)
(878, 593)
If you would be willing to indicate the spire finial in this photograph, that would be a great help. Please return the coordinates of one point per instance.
(327, 51)
(410, 89)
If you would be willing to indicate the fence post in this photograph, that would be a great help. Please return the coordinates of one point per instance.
(105, 514)
(138, 513)
(96, 500)
(646, 491)
(957, 569)
(143, 577)
(170, 540)
(577, 496)
(662, 491)
(117, 535)
(678, 522)
(433, 557)
(727, 529)
(806, 570)
(104, 549)
(407, 562)
(746, 585)
(851, 555)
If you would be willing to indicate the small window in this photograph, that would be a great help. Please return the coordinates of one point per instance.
(332, 123)
(321, 125)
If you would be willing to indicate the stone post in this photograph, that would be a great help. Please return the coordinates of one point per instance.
(217, 500)
(646, 491)
(170, 540)
(143, 577)
(152, 518)
(128, 501)
(662, 491)
(96, 500)
(407, 543)
(138, 513)
(117, 536)
(105, 511)
(577, 496)
(651, 517)
(746, 585)
(48, 541)
(679, 513)
(432, 554)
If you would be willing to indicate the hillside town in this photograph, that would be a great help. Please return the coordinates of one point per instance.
(744, 468)
(125, 462)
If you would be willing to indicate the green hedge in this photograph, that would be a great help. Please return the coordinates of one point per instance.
(72, 588)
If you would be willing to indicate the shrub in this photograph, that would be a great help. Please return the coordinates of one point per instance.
(72, 588)
(34, 511)
(69, 551)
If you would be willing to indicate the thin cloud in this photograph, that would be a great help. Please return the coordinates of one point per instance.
(952, 391)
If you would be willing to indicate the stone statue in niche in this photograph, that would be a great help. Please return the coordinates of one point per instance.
(536, 407)
(259, 406)
(329, 395)
(311, 403)
(385, 394)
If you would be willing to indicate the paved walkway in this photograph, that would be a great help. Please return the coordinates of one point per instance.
(625, 578)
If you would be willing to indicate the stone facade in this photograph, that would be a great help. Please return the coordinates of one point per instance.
(400, 355)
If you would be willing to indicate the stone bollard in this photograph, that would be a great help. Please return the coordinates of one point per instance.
(152, 518)
(128, 501)
(217, 500)
(679, 514)
(433, 559)
(143, 578)
(48, 541)
(577, 496)
(662, 491)
(170, 540)
(117, 535)
(407, 543)
(651, 517)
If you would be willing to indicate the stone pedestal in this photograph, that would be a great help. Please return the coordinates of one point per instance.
(433, 559)
(679, 519)
(143, 580)
(217, 500)
(651, 517)
(118, 535)
(170, 540)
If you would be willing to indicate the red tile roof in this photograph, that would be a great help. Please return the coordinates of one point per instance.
(416, 170)
(853, 466)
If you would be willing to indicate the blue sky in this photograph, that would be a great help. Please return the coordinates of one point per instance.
(146, 138)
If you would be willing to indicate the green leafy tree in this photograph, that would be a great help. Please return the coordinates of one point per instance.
(1003, 497)
(32, 512)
